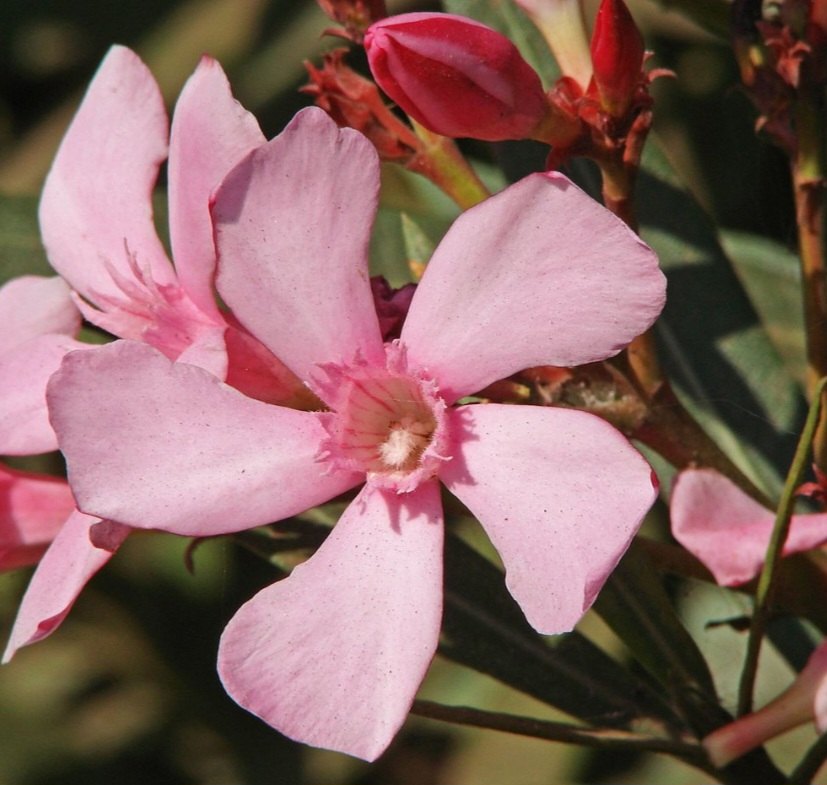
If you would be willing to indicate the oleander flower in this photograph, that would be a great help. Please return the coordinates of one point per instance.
(729, 531)
(333, 654)
(97, 226)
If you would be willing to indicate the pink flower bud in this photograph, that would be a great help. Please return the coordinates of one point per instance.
(455, 76)
(617, 56)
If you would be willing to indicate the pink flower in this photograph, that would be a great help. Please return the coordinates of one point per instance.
(333, 654)
(96, 212)
(39, 324)
(97, 226)
(729, 531)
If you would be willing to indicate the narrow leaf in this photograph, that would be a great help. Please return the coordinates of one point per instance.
(484, 629)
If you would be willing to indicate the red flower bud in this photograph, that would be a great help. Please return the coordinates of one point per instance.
(455, 76)
(617, 56)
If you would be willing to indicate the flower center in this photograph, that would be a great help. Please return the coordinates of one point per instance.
(386, 426)
(386, 422)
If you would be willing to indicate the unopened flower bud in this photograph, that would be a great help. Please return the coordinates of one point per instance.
(455, 76)
(617, 56)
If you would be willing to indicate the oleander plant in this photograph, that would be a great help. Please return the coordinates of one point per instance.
(398, 392)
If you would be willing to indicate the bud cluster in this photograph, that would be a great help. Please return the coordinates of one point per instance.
(781, 55)
(459, 78)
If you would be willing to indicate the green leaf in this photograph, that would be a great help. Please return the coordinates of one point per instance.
(722, 363)
(484, 629)
(21, 252)
(509, 20)
(418, 246)
(635, 605)
(405, 193)
(771, 276)
(423, 204)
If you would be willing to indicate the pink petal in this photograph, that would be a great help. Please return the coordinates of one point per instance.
(33, 507)
(24, 372)
(293, 223)
(163, 317)
(561, 494)
(333, 655)
(96, 207)
(211, 132)
(207, 351)
(729, 531)
(254, 370)
(31, 306)
(162, 445)
(539, 274)
(61, 575)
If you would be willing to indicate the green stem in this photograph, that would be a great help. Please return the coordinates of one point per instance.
(766, 585)
(440, 160)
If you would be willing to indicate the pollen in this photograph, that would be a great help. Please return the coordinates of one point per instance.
(405, 443)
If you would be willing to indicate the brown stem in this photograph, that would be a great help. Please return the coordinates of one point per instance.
(674, 434)
(602, 738)
(808, 173)
(618, 184)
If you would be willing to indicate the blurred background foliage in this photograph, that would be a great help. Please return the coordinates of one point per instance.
(126, 691)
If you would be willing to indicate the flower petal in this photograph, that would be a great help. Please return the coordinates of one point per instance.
(31, 306)
(729, 531)
(33, 507)
(561, 494)
(211, 132)
(61, 575)
(293, 223)
(333, 655)
(96, 208)
(539, 274)
(162, 445)
(24, 372)
(208, 350)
